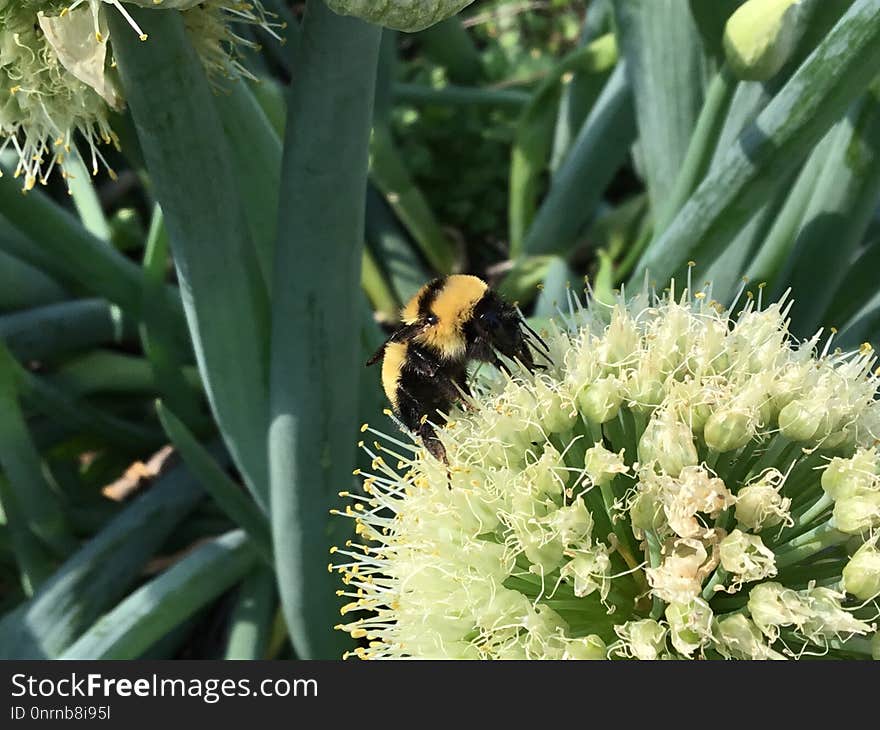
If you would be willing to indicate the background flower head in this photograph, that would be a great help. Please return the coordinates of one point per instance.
(57, 80)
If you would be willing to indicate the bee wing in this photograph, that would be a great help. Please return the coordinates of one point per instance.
(403, 334)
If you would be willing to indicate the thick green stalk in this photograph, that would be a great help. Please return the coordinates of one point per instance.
(315, 344)
(195, 181)
(790, 126)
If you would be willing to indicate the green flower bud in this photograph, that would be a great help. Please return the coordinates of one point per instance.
(857, 514)
(728, 430)
(603, 465)
(844, 478)
(760, 37)
(586, 648)
(669, 442)
(759, 504)
(406, 15)
(861, 576)
(645, 639)
(803, 420)
(600, 401)
(741, 639)
(690, 625)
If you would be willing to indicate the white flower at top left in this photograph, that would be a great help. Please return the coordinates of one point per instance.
(57, 77)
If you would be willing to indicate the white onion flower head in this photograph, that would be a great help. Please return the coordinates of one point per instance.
(638, 498)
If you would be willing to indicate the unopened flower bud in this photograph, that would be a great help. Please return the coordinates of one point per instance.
(803, 419)
(761, 36)
(760, 505)
(603, 465)
(728, 430)
(669, 442)
(857, 514)
(600, 401)
(746, 557)
(646, 639)
(844, 478)
(861, 576)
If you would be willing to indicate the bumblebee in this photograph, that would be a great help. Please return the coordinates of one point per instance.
(449, 323)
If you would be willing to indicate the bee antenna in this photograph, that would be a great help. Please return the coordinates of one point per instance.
(537, 338)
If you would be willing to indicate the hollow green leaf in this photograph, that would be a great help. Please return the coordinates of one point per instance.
(109, 372)
(773, 145)
(256, 156)
(453, 95)
(377, 288)
(843, 202)
(389, 173)
(85, 198)
(533, 142)
(157, 607)
(599, 150)
(23, 286)
(194, 179)
(702, 145)
(392, 250)
(858, 287)
(78, 415)
(96, 576)
(666, 67)
(771, 256)
(228, 495)
(554, 289)
(520, 282)
(168, 359)
(315, 351)
(51, 239)
(46, 332)
(449, 45)
(38, 501)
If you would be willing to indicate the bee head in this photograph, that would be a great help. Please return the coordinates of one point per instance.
(497, 325)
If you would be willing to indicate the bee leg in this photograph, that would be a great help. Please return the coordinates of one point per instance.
(432, 442)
